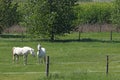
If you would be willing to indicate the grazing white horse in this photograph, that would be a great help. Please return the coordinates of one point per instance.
(24, 51)
(41, 54)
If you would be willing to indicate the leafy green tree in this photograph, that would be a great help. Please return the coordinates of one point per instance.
(50, 17)
(8, 14)
(116, 14)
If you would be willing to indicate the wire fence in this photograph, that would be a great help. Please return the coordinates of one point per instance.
(111, 65)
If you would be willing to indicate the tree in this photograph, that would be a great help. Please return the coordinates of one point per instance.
(116, 14)
(50, 17)
(8, 14)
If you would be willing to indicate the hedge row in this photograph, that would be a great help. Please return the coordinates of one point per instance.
(93, 12)
(12, 36)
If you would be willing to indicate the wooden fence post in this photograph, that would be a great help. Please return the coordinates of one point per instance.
(111, 35)
(79, 35)
(107, 65)
(47, 66)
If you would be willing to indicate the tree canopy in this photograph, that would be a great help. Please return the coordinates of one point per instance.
(116, 13)
(8, 14)
(50, 17)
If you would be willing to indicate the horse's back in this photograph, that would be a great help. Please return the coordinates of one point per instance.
(26, 47)
(17, 50)
(43, 49)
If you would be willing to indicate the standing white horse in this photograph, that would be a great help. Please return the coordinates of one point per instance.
(24, 51)
(41, 54)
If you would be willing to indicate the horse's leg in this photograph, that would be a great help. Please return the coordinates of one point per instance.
(25, 59)
(13, 58)
(39, 60)
(17, 58)
(44, 59)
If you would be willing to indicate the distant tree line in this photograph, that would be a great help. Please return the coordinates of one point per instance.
(92, 13)
(85, 0)
(47, 18)
(95, 0)
(116, 14)
(9, 14)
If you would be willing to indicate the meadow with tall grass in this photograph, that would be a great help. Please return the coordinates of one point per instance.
(70, 58)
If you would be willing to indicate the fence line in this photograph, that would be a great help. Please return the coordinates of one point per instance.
(47, 67)
(82, 62)
(107, 65)
(74, 62)
(56, 72)
(25, 72)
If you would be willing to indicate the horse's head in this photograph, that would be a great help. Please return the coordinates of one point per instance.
(32, 52)
(39, 47)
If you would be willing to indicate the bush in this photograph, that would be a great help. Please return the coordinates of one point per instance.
(116, 14)
(92, 13)
(12, 36)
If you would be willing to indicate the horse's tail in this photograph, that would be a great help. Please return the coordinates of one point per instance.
(13, 50)
(13, 53)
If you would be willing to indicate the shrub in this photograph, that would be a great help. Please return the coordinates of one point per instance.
(92, 13)
(116, 14)
(12, 36)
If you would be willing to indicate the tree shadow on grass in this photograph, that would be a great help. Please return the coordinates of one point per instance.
(86, 40)
(63, 41)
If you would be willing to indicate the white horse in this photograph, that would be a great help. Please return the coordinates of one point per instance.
(41, 54)
(24, 51)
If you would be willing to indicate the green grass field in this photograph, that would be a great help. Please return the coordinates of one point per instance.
(70, 59)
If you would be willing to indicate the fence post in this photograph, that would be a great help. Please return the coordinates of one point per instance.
(107, 65)
(79, 35)
(47, 66)
(111, 35)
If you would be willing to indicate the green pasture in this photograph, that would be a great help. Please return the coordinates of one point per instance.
(70, 59)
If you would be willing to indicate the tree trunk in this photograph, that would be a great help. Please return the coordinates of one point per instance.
(0, 29)
(52, 36)
(111, 35)
(100, 30)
